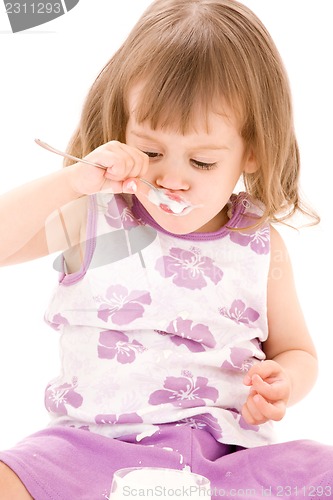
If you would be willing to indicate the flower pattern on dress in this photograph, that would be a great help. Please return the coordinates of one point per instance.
(194, 337)
(240, 360)
(206, 422)
(81, 427)
(188, 268)
(257, 239)
(123, 307)
(118, 214)
(125, 418)
(59, 397)
(184, 392)
(242, 422)
(115, 314)
(239, 313)
(57, 322)
(115, 344)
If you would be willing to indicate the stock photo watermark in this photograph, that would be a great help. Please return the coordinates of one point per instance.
(25, 14)
(197, 492)
(194, 492)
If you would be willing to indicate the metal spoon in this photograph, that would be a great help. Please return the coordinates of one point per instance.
(164, 199)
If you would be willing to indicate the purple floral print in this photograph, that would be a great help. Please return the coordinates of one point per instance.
(118, 214)
(242, 422)
(257, 239)
(114, 343)
(81, 427)
(194, 337)
(188, 268)
(239, 313)
(125, 418)
(191, 345)
(240, 360)
(123, 307)
(57, 321)
(58, 398)
(207, 422)
(185, 392)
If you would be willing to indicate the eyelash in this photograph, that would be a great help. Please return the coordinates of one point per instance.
(204, 166)
(198, 164)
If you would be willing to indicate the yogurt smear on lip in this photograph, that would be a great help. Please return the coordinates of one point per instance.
(169, 202)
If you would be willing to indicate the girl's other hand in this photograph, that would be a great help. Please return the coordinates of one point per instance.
(123, 165)
(269, 394)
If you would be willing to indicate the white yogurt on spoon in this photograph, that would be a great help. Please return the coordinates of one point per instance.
(169, 202)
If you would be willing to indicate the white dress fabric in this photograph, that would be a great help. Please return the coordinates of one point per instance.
(159, 328)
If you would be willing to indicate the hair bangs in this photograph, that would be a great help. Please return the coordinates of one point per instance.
(183, 79)
(176, 105)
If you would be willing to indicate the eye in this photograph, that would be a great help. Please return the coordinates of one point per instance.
(150, 154)
(203, 166)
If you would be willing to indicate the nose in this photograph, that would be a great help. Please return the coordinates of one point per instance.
(172, 177)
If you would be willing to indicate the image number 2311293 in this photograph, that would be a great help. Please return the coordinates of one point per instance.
(24, 14)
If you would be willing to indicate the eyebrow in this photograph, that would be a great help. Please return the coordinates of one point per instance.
(211, 147)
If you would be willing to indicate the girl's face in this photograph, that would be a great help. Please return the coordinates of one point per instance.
(203, 166)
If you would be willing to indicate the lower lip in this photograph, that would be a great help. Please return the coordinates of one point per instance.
(165, 208)
(169, 211)
(173, 204)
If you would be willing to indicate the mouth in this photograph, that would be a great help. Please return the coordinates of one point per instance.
(175, 210)
(171, 203)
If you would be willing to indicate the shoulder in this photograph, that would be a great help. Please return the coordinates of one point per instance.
(280, 264)
(281, 285)
(277, 241)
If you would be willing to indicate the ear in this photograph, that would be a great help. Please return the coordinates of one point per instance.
(250, 163)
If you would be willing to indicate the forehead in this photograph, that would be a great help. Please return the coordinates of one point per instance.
(170, 118)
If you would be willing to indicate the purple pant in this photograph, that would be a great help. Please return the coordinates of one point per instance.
(72, 464)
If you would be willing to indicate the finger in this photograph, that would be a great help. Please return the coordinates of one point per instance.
(117, 161)
(271, 411)
(273, 391)
(128, 186)
(247, 415)
(141, 160)
(254, 411)
(252, 415)
(131, 161)
(120, 165)
(265, 369)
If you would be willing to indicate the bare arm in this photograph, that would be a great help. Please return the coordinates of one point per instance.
(291, 367)
(25, 210)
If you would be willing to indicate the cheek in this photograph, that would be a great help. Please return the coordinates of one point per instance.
(226, 179)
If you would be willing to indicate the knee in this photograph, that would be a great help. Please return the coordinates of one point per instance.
(10, 485)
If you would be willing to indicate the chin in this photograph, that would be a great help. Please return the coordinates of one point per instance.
(195, 221)
(184, 224)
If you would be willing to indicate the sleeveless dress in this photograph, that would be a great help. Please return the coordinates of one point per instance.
(159, 328)
(157, 332)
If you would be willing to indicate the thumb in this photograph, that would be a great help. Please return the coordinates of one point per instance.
(128, 186)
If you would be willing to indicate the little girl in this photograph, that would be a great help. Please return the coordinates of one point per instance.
(182, 338)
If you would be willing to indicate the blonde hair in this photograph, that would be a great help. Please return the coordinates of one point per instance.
(206, 51)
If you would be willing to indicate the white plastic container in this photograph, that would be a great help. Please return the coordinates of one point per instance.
(156, 483)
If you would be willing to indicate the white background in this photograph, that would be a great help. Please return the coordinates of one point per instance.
(45, 75)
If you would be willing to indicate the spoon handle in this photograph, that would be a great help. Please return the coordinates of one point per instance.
(149, 184)
(82, 160)
(67, 155)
